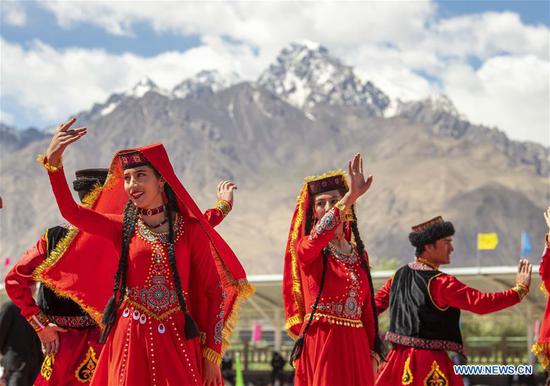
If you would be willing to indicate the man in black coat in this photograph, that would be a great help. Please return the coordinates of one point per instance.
(19, 346)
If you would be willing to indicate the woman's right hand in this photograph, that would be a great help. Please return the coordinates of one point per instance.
(62, 138)
(547, 218)
(358, 185)
(49, 337)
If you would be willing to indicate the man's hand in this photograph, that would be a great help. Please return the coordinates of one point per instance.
(524, 273)
(49, 336)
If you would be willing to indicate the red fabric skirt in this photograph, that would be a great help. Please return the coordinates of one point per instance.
(143, 351)
(334, 355)
(76, 360)
(415, 367)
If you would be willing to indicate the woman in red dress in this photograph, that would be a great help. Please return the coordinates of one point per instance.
(327, 287)
(173, 300)
(541, 348)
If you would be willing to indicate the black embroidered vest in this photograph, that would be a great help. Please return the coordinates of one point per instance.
(415, 320)
(50, 303)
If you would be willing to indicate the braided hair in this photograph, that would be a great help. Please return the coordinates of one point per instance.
(299, 344)
(119, 289)
(128, 229)
(378, 344)
(191, 329)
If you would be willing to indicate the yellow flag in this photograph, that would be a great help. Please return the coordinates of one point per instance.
(487, 241)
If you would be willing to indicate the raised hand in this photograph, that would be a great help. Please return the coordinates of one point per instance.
(547, 218)
(524, 273)
(62, 138)
(49, 337)
(225, 191)
(358, 184)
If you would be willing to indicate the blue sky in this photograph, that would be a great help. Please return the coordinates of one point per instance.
(72, 46)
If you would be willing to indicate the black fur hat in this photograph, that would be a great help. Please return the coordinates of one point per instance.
(86, 179)
(430, 231)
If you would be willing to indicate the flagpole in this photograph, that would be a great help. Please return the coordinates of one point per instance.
(477, 251)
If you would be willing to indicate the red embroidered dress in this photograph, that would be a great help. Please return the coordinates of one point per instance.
(420, 362)
(542, 347)
(147, 345)
(339, 341)
(79, 347)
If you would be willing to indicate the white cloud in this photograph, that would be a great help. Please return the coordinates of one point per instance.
(488, 34)
(509, 92)
(13, 13)
(54, 83)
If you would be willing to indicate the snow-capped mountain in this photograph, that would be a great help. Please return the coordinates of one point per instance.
(204, 82)
(142, 87)
(440, 116)
(305, 75)
(427, 158)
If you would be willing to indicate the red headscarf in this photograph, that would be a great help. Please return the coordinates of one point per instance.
(80, 261)
(292, 285)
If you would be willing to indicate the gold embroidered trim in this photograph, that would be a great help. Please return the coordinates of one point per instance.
(148, 312)
(86, 369)
(211, 355)
(436, 377)
(244, 291)
(543, 289)
(292, 321)
(430, 294)
(407, 377)
(296, 282)
(521, 289)
(60, 248)
(224, 207)
(38, 321)
(337, 320)
(542, 352)
(346, 215)
(330, 173)
(41, 159)
(46, 369)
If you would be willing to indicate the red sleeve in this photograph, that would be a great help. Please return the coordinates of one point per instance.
(214, 217)
(82, 217)
(382, 297)
(206, 294)
(447, 290)
(20, 278)
(309, 247)
(544, 269)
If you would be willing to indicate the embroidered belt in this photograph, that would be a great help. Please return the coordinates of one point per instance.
(156, 298)
(332, 319)
(80, 321)
(425, 344)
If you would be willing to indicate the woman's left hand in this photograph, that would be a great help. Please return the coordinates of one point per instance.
(212, 375)
(225, 191)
